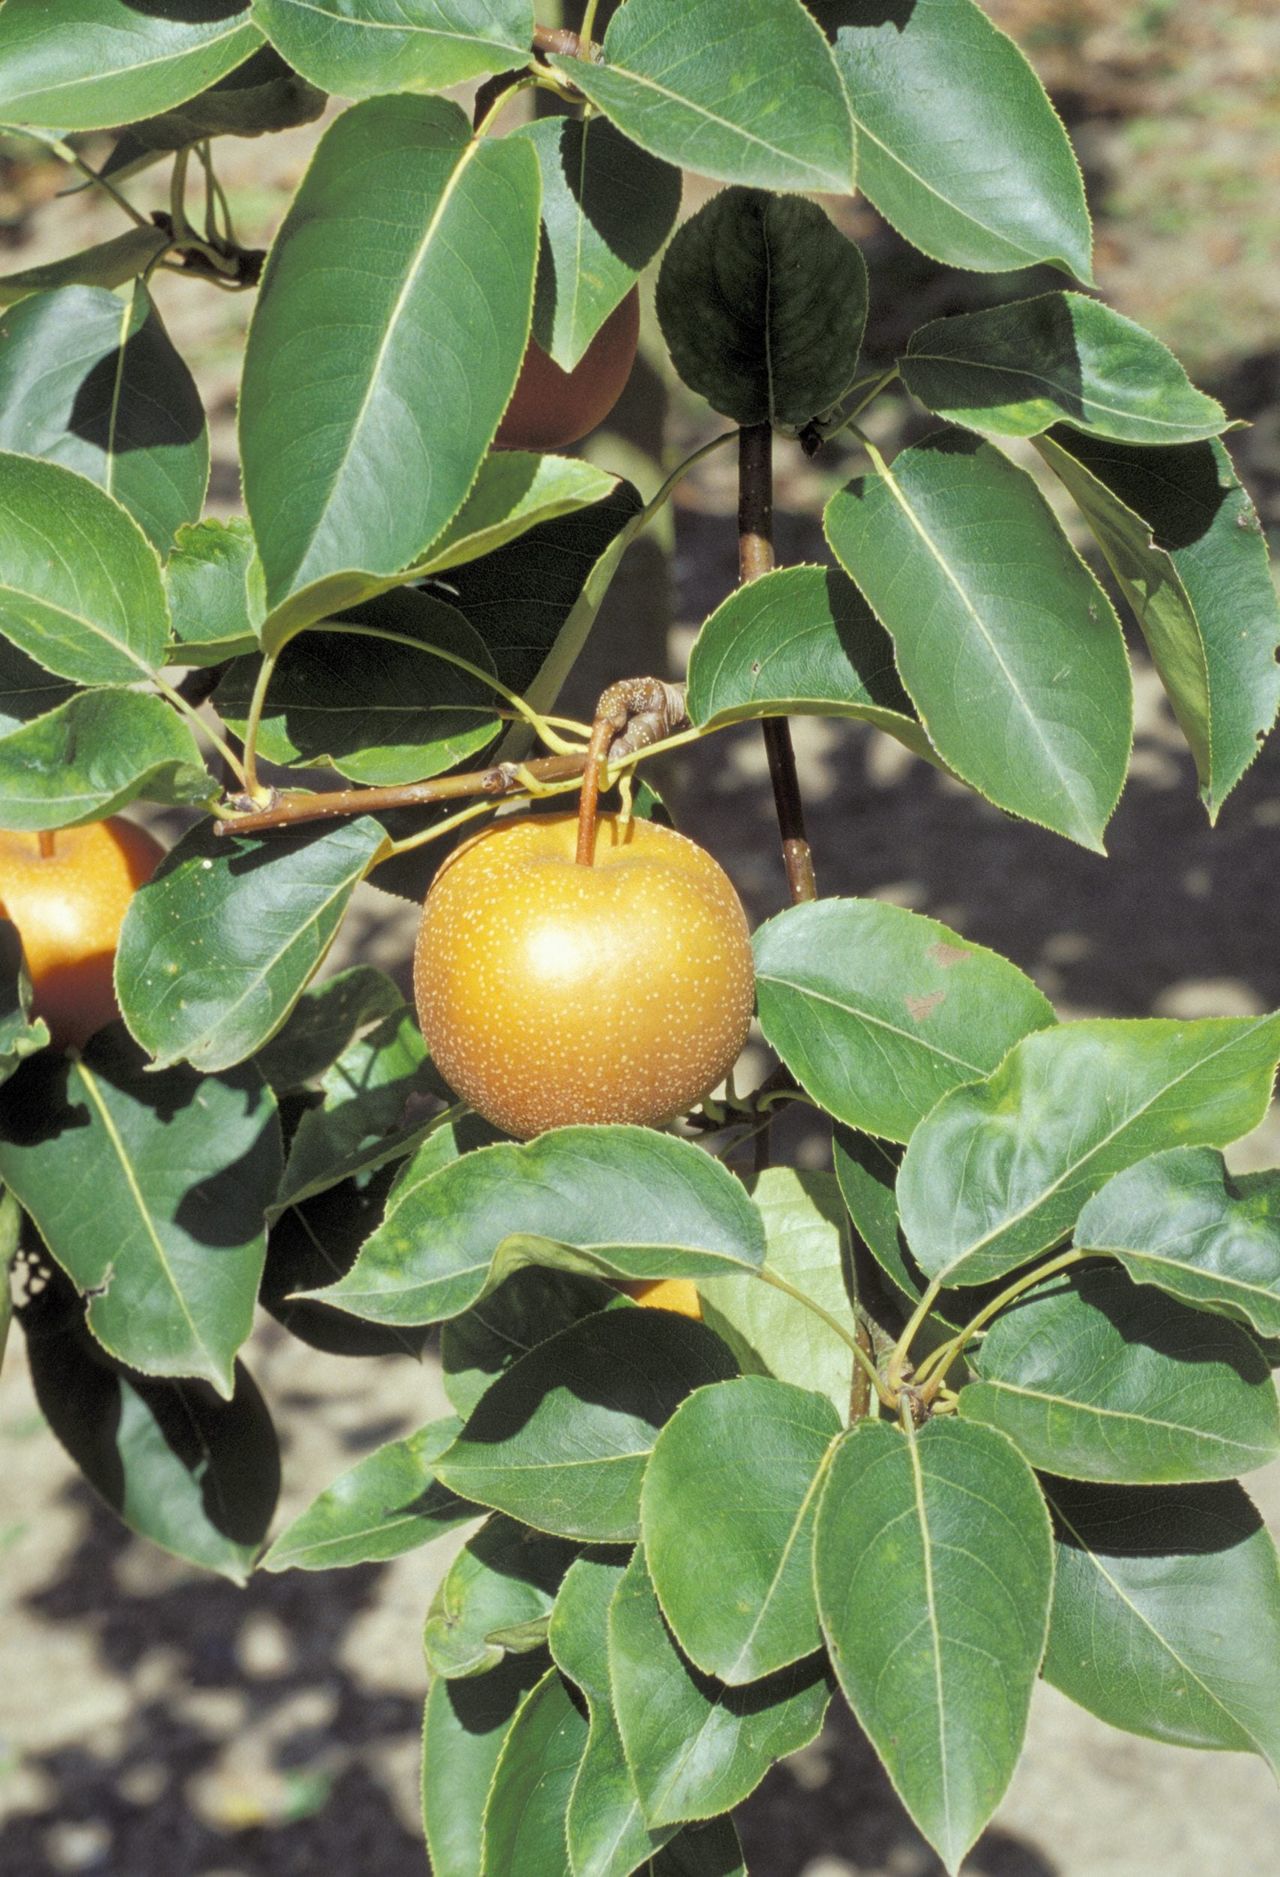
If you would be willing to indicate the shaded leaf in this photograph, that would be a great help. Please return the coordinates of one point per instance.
(263, 94)
(524, 1819)
(380, 46)
(526, 1309)
(213, 580)
(95, 754)
(501, 1585)
(866, 1171)
(464, 1727)
(323, 1024)
(26, 690)
(20, 1036)
(513, 492)
(106, 264)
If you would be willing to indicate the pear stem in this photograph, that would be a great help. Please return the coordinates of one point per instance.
(46, 844)
(603, 731)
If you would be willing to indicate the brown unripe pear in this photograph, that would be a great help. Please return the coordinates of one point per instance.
(551, 993)
(551, 408)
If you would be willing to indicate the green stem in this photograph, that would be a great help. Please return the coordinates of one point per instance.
(677, 476)
(253, 722)
(871, 387)
(501, 102)
(440, 827)
(174, 696)
(935, 1365)
(68, 155)
(848, 1337)
(902, 1350)
(587, 30)
(10, 1229)
(178, 196)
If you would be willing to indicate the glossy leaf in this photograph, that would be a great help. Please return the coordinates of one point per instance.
(934, 1564)
(94, 754)
(150, 1191)
(524, 1820)
(97, 386)
(1099, 1378)
(495, 1599)
(1062, 357)
(217, 946)
(530, 1306)
(514, 492)
(1186, 547)
(735, 1477)
(89, 64)
(464, 1727)
(561, 1440)
(608, 1201)
(695, 1746)
(364, 414)
(748, 97)
(1166, 1613)
(20, 1035)
(607, 208)
(1022, 684)
(799, 642)
(1180, 1221)
(878, 1011)
(361, 48)
(106, 264)
(213, 580)
(959, 146)
(999, 1171)
(806, 1242)
(385, 1505)
(762, 303)
(80, 587)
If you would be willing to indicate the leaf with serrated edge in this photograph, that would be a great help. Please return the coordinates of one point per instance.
(93, 755)
(524, 1818)
(381, 45)
(503, 1582)
(527, 1307)
(464, 1726)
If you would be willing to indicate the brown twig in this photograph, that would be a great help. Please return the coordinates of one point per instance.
(860, 1387)
(563, 44)
(502, 779)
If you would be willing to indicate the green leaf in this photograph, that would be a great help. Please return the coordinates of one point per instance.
(1180, 1221)
(94, 383)
(376, 711)
(1096, 1377)
(694, 1745)
(107, 264)
(524, 1820)
(866, 1171)
(150, 1191)
(1187, 550)
(561, 1440)
(263, 94)
(20, 1037)
(1018, 368)
(89, 64)
(750, 97)
(94, 754)
(195, 1474)
(735, 1478)
(611, 1201)
(708, 1848)
(385, 1505)
(999, 1171)
(499, 1590)
(464, 1727)
(216, 947)
(1022, 684)
(532, 1305)
(324, 1023)
(799, 642)
(26, 691)
(934, 1565)
(762, 303)
(514, 492)
(80, 588)
(364, 415)
(213, 580)
(607, 208)
(878, 1011)
(1166, 1613)
(363, 47)
(960, 148)
(806, 1242)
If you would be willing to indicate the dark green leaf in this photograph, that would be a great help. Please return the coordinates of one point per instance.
(263, 94)
(999, 1171)
(1180, 1221)
(762, 303)
(150, 1191)
(749, 96)
(89, 64)
(94, 754)
(960, 148)
(607, 208)
(385, 1505)
(376, 46)
(878, 1011)
(561, 1440)
(1096, 1377)
(26, 690)
(216, 948)
(323, 1024)
(608, 1201)
(107, 264)
(934, 1565)
(709, 1848)
(530, 1306)
(735, 1478)
(464, 1726)
(866, 1171)
(80, 588)
(695, 1746)
(1017, 369)
(1166, 1613)
(514, 491)
(364, 415)
(524, 1820)
(213, 579)
(502, 1583)
(800, 641)
(19, 1036)
(1186, 547)
(1022, 684)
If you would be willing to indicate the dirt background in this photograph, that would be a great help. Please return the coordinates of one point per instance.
(157, 1723)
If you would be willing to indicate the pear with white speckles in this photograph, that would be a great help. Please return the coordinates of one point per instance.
(553, 993)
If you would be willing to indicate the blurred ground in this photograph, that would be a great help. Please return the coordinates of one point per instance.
(154, 1723)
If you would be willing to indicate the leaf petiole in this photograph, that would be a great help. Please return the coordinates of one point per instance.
(932, 1370)
(834, 1324)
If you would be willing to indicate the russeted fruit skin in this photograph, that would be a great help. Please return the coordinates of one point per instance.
(665, 1293)
(551, 993)
(68, 906)
(551, 408)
